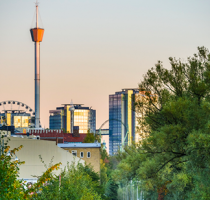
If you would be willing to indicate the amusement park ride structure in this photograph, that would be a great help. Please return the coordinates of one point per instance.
(124, 138)
(37, 35)
(10, 109)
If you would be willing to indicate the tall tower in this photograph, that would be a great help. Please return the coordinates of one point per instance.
(37, 35)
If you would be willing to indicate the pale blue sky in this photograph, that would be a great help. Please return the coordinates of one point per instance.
(93, 48)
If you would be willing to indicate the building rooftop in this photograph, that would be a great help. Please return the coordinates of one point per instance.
(80, 145)
(55, 111)
(76, 106)
(124, 89)
(69, 104)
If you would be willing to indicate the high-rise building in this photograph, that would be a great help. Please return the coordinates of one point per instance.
(74, 115)
(122, 119)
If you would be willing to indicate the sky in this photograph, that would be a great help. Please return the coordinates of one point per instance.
(93, 48)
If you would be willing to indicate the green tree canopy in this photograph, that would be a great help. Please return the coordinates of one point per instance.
(173, 157)
(91, 137)
(77, 182)
(10, 187)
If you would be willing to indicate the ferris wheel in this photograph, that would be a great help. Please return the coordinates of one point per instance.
(15, 107)
(17, 114)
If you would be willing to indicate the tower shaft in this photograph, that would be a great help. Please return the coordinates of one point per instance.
(37, 84)
(72, 121)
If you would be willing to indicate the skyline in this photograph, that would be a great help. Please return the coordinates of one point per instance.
(107, 46)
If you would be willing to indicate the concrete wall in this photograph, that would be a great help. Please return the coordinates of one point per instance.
(94, 159)
(30, 154)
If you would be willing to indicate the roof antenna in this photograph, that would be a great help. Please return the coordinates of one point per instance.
(37, 4)
(71, 104)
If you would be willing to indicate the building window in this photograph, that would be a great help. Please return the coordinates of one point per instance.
(88, 154)
(81, 154)
(74, 152)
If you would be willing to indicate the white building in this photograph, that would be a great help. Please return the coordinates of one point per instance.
(30, 152)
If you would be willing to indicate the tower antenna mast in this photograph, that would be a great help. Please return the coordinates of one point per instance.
(37, 5)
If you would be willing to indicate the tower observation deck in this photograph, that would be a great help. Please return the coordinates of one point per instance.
(37, 35)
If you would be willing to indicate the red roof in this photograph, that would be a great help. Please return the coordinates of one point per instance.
(47, 133)
(68, 137)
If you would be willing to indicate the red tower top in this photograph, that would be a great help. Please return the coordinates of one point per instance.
(37, 33)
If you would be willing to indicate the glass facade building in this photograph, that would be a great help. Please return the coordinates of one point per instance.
(122, 119)
(83, 117)
(16, 118)
(57, 118)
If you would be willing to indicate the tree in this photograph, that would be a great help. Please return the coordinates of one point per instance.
(10, 186)
(172, 159)
(77, 183)
(91, 137)
(111, 189)
(108, 166)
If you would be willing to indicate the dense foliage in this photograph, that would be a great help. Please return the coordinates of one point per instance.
(10, 187)
(91, 137)
(108, 165)
(76, 182)
(172, 160)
